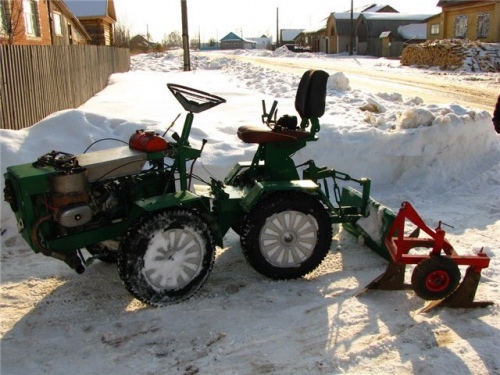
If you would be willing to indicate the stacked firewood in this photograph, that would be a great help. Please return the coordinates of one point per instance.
(454, 54)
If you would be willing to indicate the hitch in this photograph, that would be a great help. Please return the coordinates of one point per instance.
(436, 276)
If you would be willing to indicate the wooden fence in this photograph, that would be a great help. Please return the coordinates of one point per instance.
(36, 81)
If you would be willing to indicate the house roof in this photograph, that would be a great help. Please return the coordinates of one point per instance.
(346, 15)
(396, 16)
(290, 34)
(231, 37)
(315, 28)
(369, 8)
(413, 31)
(450, 2)
(92, 8)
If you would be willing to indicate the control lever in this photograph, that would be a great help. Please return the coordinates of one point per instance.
(267, 118)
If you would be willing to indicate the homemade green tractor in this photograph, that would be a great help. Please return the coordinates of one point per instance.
(135, 204)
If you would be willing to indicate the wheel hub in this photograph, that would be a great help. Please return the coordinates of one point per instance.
(173, 259)
(288, 238)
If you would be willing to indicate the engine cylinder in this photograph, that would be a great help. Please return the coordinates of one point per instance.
(69, 188)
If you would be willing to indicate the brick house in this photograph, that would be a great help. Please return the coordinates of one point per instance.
(39, 22)
(474, 20)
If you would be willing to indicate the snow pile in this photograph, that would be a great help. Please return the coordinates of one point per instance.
(445, 159)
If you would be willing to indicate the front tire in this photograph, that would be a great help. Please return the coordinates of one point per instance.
(286, 235)
(166, 257)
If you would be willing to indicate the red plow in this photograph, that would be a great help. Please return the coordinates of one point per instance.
(436, 276)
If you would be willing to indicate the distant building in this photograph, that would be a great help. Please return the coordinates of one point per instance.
(313, 38)
(233, 41)
(287, 36)
(379, 34)
(338, 26)
(140, 43)
(474, 20)
(264, 42)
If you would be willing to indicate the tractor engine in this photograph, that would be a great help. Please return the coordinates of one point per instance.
(70, 198)
(65, 202)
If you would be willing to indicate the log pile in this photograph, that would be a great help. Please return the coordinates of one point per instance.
(452, 54)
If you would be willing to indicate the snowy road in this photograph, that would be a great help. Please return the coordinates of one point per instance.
(436, 87)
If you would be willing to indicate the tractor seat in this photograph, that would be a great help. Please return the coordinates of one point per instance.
(309, 103)
(262, 134)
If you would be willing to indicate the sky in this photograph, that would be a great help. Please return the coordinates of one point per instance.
(216, 18)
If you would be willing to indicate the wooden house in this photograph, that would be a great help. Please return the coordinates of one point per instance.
(287, 36)
(97, 16)
(34, 22)
(339, 27)
(313, 38)
(380, 34)
(65, 27)
(434, 28)
(474, 20)
(233, 41)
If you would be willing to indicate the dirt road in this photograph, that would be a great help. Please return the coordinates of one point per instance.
(471, 91)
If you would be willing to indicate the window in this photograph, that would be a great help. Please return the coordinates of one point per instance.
(3, 18)
(461, 26)
(435, 29)
(57, 23)
(31, 17)
(483, 25)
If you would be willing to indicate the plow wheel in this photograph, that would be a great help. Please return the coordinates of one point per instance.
(435, 278)
(166, 257)
(286, 235)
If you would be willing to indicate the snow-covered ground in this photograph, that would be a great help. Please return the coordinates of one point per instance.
(444, 159)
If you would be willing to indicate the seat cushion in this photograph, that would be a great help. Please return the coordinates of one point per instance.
(262, 134)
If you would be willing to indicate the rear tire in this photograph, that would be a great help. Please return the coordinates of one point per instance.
(166, 257)
(286, 235)
(435, 278)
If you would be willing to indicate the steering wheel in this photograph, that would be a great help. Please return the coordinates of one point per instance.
(193, 100)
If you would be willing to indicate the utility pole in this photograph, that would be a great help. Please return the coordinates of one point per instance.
(185, 36)
(351, 48)
(277, 28)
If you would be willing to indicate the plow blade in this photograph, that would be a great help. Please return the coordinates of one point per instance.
(374, 227)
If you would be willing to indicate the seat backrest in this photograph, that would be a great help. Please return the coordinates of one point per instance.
(311, 94)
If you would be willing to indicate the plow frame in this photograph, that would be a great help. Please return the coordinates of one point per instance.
(399, 245)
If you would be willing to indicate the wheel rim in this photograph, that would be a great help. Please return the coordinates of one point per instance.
(173, 258)
(437, 281)
(288, 238)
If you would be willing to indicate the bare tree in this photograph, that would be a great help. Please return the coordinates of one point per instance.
(122, 35)
(174, 39)
(12, 24)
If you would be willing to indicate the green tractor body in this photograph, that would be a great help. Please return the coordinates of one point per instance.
(135, 204)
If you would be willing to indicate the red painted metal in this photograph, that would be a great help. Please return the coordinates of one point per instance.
(147, 141)
(400, 245)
